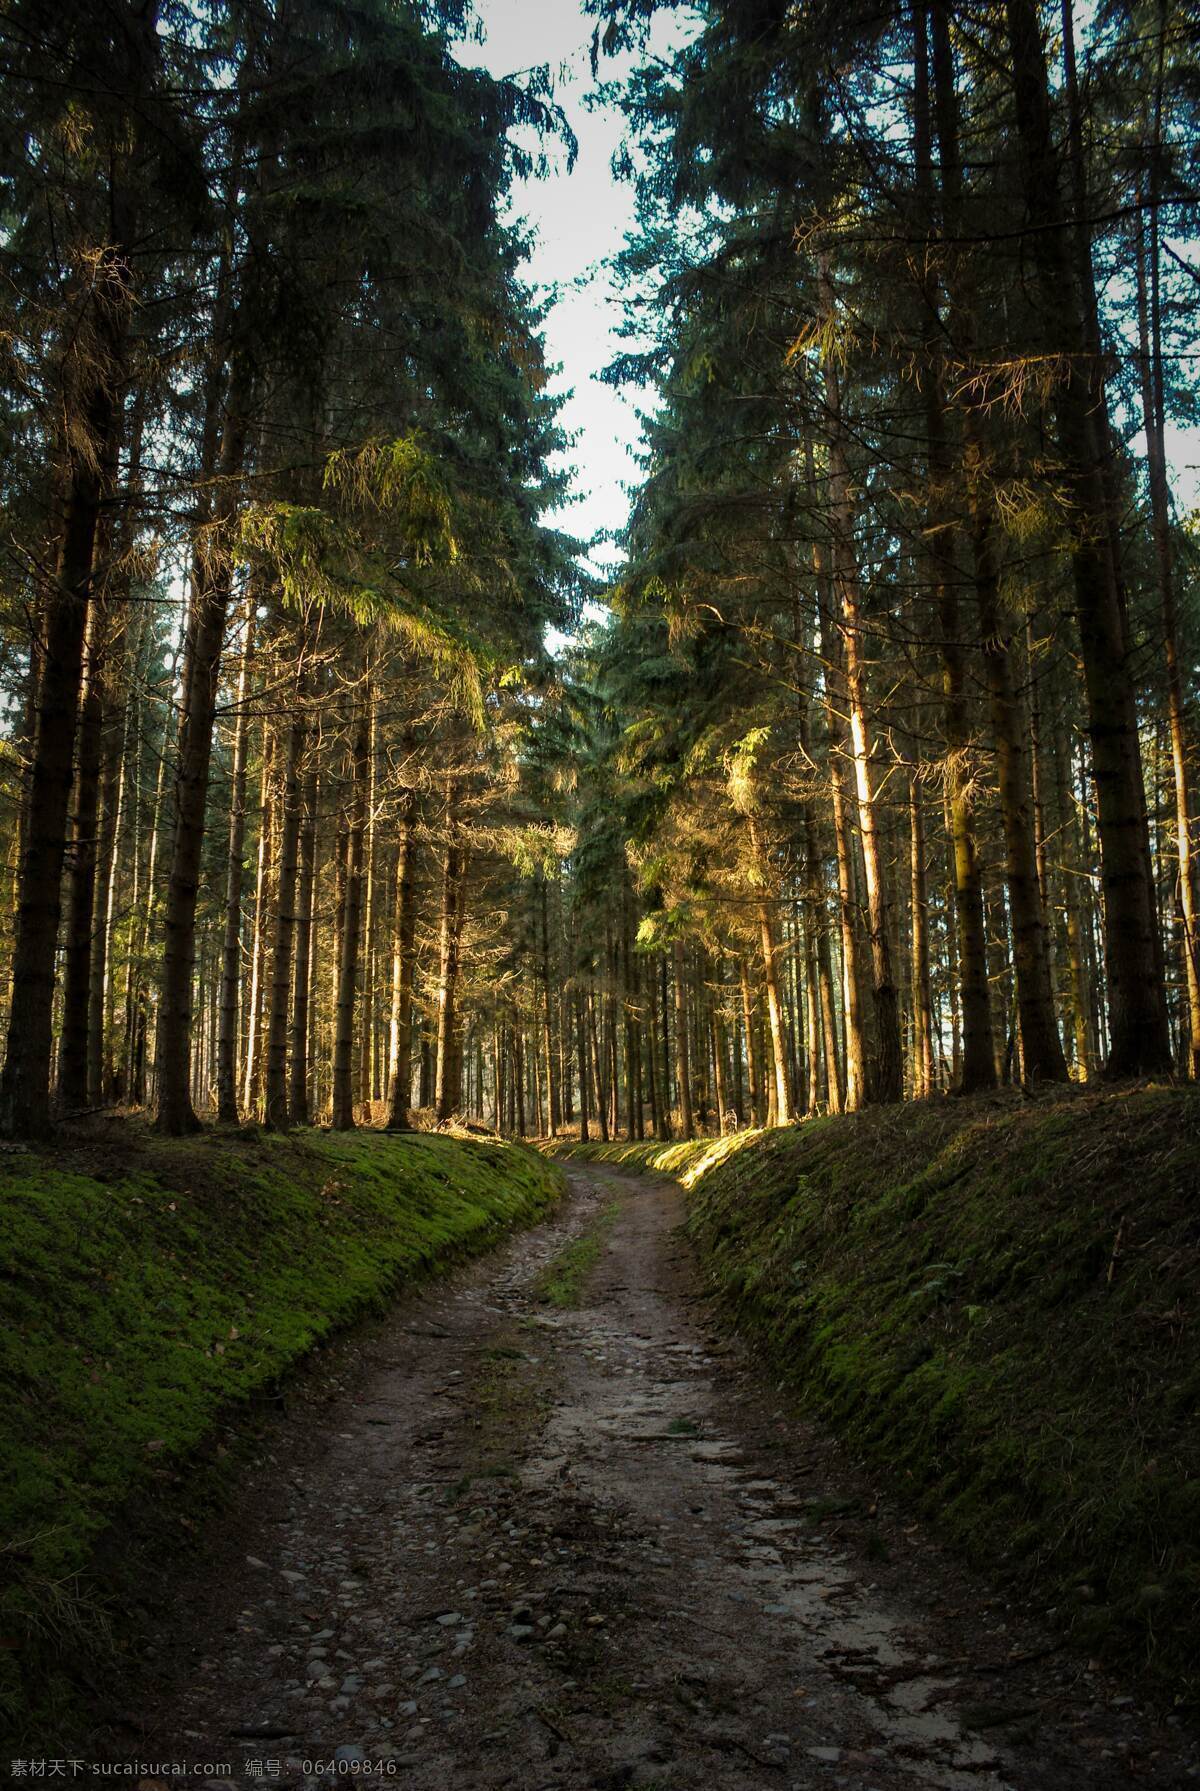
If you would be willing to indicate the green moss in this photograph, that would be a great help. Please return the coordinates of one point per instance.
(145, 1294)
(561, 1282)
(997, 1302)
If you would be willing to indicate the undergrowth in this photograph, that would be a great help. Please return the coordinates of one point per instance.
(147, 1286)
(996, 1303)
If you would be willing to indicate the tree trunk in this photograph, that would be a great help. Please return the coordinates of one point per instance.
(211, 584)
(404, 928)
(682, 1071)
(835, 707)
(447, 994)
(276, 1106)
(342, 1119)
(298, 1096)
(597, 1076)
(977, 1069)
(888, 1080)
(780, 1104)
(112, 810)
(922, 999)
(554, 1110)
(1140, 1041)
(753, 1075)
(231, 951)
(585, 1102)
(1154, 423)
(81, 879)
(92, 404)
(1041, 1047)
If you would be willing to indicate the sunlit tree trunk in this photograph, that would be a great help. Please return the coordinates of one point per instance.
(682, 1058)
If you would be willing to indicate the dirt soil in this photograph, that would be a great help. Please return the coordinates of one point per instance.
(503, 1541)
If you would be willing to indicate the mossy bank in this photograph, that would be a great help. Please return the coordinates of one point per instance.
(996, 1304)
(149, 1285)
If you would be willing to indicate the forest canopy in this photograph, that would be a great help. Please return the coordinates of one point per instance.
(871, 777)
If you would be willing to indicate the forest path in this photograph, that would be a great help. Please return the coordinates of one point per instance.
(534, 1544)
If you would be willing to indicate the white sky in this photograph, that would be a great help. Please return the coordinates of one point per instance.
(580, 219)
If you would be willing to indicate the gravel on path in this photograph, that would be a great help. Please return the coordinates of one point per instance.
(536, 1545)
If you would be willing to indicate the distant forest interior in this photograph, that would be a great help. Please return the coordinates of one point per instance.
(337, 787)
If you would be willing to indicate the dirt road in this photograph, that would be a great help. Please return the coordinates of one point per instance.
(546, 1527)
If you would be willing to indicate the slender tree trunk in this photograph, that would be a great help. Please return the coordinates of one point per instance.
(364, 1089)
(977, 1070)
(251, 1071)
(922, 998)
(585, 1092)
(597, 1076)
(653, 1085)
(298, 1096)
(231, 950)
(211, 584)
(112, 809)
(780, 1102)
(552, 1097)
(717, 1026)
(1154, 423)
(452, 870)
(82, 858)
(277, 1111)
(836, 704)
(342, 1119)
(682, 1071)
(888, 1078)
(752, 1062)
(1041, 1047)
(404, 930)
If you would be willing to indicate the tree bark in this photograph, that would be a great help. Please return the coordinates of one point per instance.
(682, 1070)
(447, 993)
(404, 927)
(277, 1112)
(922, 1000)
(342, 1119)
(82, 861)
(231, 950)
(1140, 1041)
(1154, 423)
(212, 576)
(888, 1079)
(298, 1095)
(92, 399)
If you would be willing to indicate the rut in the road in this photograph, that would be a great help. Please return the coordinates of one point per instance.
(575, 1546)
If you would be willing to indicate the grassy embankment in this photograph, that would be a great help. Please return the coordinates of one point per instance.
(995, 1302)
(149, 1286)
